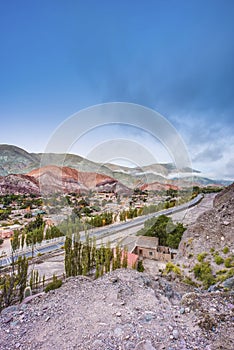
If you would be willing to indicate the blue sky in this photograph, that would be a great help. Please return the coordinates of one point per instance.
(177, 57)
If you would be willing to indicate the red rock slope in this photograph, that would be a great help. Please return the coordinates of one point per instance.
(156, 186)
(55, 178)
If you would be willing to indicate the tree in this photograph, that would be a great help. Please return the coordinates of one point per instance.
(169, 234)
(22, 275)
(22, 240)
(140, 266)
(125, 258)
(174, 238)
(37, 223)
(108, 257)
(12, 285)
(15, 241)
(68, 255)
(117, 258)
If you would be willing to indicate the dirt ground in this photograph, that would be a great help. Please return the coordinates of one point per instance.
(123, 310)
(189, 216)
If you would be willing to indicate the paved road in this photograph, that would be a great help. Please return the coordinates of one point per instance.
(141, 219)
(49, 246)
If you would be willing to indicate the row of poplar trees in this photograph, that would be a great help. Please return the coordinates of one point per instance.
(12, 285)
(82, 258)
(33, 233)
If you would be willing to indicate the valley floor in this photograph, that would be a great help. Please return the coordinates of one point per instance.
(55, 264)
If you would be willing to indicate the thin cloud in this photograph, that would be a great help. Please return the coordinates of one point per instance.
(229, 169)
(211, 154)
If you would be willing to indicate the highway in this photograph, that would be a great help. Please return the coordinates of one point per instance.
(141, 219)
(57, 243)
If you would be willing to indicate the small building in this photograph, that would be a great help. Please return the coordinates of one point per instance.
(6, 233)
(148, 248)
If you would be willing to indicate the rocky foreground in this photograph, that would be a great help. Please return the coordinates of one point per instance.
(122, 310)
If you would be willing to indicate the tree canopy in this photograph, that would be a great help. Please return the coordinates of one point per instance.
(169, 234)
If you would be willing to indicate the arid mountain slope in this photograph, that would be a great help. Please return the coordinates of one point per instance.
(14, 160)
(212, 232)
(51, 179)
(226, 196)
(18, 161)
(156, 186)
(18, 184)
(56, 179)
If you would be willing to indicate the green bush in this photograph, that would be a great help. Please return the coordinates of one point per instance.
(189, 281)
(56, 283)
(190, 240)
(170, 267)
(203, 273)
(224, 274)
(228, 262)
(221, 272)
(230, 273)
(140, 266)
(168, 233)
(225, 250)
(201, 256)
(218, 259)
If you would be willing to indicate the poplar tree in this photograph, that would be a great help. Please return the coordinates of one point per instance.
(125, 258)
(68, 255)
(108, 257)
(22, 274)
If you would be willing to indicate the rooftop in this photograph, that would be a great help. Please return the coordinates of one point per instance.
(147, 242)
(131, 242)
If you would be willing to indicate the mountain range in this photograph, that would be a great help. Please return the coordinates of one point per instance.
(24, 171)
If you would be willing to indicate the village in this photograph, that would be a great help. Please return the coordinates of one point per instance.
(18, 211)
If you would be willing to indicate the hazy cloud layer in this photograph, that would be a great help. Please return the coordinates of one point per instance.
(209, 154)
(176, 57)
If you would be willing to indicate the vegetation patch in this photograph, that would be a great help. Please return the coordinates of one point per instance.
(203, 272)
(218, 259)
(201, 256)
(207, 323)
(169, 234)
(12, 285)
(225, 250)
(228, 262)
(55, 284)
(170, 267)
(188, 280)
